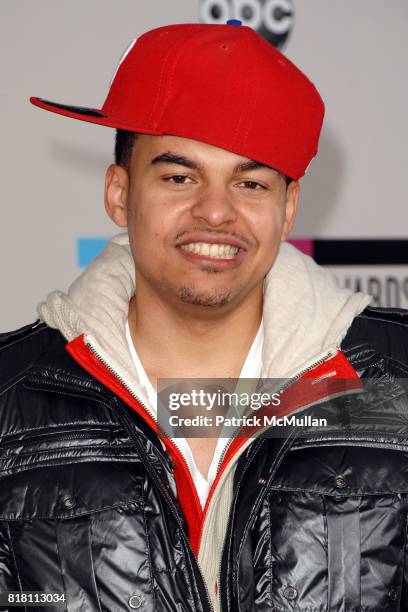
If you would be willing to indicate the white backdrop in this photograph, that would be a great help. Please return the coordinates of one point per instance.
(53, 167)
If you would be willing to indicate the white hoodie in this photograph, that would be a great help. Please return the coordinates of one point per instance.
(305, 316)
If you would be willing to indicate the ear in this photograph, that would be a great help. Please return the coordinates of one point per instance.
(116, 194)
(291, 205)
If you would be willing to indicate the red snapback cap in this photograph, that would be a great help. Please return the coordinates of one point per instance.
(220, 84)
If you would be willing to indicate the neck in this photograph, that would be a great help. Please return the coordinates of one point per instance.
(187, 341)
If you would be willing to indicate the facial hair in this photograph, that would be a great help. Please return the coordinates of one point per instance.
(189, 295)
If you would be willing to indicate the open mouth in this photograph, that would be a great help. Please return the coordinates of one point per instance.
(211, 250)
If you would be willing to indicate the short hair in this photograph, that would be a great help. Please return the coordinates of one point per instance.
(124, 142)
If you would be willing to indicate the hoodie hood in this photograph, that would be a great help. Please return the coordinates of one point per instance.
(305, 317)
(305, 314)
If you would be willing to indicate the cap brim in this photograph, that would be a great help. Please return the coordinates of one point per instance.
(91, 115)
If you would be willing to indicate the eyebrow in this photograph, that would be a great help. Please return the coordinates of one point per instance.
(175, 158)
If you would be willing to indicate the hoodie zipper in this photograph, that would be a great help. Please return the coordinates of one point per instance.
(283, 388)
(132, 393)
(129, 426)
(97, 354)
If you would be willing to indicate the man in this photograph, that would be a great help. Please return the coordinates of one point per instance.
(215, 129)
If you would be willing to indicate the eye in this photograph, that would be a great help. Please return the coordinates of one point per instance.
(253, 185)
(178, 179)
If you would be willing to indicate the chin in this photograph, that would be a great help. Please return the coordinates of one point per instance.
(211, 299)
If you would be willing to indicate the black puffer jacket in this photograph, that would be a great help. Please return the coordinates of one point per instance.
(88, 503)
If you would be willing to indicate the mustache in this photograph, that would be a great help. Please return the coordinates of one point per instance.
(211, 230)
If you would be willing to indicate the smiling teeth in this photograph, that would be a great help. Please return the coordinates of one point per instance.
(224, 251)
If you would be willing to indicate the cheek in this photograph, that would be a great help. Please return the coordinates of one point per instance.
(150, 231)
(268, 229)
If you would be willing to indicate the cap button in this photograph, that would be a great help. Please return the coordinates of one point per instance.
(234, 22)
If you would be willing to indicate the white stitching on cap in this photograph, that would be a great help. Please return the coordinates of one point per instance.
(124, 54)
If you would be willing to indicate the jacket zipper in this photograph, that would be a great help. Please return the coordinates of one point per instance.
(129, 426)
(222, 457)
(278, 460)
(47, 437)
(220, 586)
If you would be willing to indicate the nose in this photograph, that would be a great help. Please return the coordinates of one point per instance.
(214, 206)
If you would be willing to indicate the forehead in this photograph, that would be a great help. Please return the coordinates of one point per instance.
(149, 147)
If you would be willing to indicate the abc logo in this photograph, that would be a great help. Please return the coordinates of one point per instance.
(273, 19)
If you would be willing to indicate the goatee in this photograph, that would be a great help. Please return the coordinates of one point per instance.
(189, 295)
